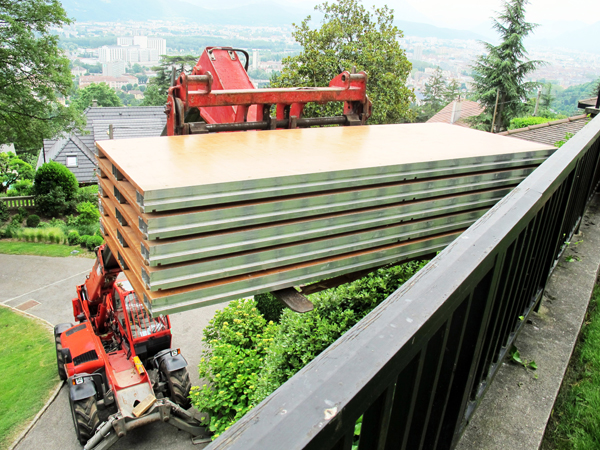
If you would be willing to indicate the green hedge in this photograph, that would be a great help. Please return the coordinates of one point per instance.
(247, 357)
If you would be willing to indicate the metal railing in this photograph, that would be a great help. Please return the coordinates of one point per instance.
(13, 203)
(417, 366)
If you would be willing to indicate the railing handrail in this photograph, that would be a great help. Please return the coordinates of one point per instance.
(21, 197)
(317, 408)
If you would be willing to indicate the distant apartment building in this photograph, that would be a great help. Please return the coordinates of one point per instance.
(134, 49)
(113, 82)
(113, 68)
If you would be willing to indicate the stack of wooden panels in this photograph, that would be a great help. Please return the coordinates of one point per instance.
(196, 220)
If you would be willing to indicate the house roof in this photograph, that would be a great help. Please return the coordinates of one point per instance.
(456, 111)
(127, 122)
(550, 132)
(587, 103)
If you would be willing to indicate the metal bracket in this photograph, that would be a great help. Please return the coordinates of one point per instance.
(294, 300)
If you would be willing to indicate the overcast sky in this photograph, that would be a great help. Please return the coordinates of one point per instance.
(471, 13)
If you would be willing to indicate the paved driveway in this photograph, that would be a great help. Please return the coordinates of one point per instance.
(44, 287)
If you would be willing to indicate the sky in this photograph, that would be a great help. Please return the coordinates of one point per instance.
(469, 14)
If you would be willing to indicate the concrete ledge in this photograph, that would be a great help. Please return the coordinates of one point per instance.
(514, 413)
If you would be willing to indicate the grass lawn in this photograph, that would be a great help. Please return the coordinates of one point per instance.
(40, 249)
(575, 421)
(28, 374)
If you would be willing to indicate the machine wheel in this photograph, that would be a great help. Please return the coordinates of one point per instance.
(85, 418)
(179, 387)
(60, 359)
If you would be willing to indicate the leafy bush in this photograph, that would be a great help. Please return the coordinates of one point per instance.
(235, 340)
(93, 242)
(16, 220)
(3, 212)
(52, 204)
(33, 221)
(90, 230)
(522, 122)
(12, 230)
(88, 213)
(302, 337)
(73, 238)
(52, 175)
(56, 223)
(240, 343)
(87, 194)
(20, 188)
(268, 305)
(83, 240)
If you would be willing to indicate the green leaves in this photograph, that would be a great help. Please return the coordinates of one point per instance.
(351, 36)
(504, 68)
(236, 341)
(13, 170)
(101, 92)
(35, 73)
(247, 358)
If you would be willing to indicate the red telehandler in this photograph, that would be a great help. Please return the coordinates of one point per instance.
(118, 359)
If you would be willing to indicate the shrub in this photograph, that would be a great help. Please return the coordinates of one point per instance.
(235, 340)
(33, 221)
(21, 215)
(87, 194)
(84, 240)
(73, 238)
(53, 203)
(88, 213)
(20, 188)
(12, 230)
(240, 343)
(52, 175)
(269, 306)
(94, 241)
(16, 220)
(302, 337)
(3, 212)
(40, 234)
(90, 230)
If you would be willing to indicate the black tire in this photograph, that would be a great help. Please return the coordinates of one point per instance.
(60, 359)
(179, 387)
(85, 418)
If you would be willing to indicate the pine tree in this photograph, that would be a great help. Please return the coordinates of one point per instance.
(503, 69)
(435, 91)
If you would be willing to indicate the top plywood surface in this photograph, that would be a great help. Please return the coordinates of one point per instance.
(181, 161)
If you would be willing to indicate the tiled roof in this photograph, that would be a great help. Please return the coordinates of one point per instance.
(456, 111)
(127, 122)
(551, 132)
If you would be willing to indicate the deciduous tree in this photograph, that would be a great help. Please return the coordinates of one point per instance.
(35, 73)
(351, 36)
(152, 97)
(504, 68)
(102, 93)
(12, 170)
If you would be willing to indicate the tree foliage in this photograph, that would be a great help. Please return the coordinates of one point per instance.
(351, 36)
(504, 68)
(102, 93)
(162, 80)
(13, 170)
(436, 95)
(35, 73)
(152, 97)
(51, 175)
